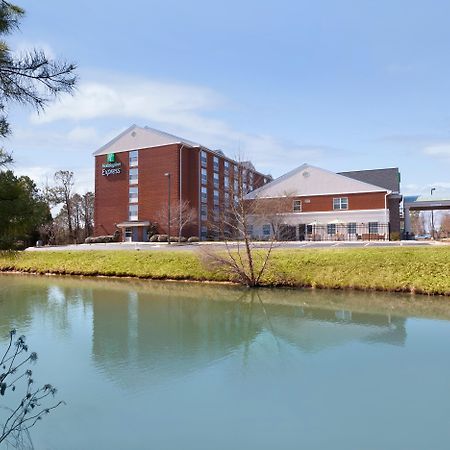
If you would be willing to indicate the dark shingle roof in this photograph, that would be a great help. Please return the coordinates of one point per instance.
(385, 178)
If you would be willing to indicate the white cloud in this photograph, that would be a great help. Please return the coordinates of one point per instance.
(84, 135)
(170, 103)
(441, 150)
(44, 176)
(178, 108)
(23, 47)
(442, 188)
(77, 138)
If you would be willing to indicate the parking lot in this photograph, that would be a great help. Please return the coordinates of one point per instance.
(163, 246)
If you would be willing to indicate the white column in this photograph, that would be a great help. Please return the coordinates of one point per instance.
(407, 219)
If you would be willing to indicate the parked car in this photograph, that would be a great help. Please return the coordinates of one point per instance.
(423, 236)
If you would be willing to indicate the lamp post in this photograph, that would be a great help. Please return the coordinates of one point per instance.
(167, 174)
(432, 217)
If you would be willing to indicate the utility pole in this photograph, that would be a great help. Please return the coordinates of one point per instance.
(167, 174)
(432, 217)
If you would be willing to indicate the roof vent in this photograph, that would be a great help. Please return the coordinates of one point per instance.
(306, 174)
(133, 133)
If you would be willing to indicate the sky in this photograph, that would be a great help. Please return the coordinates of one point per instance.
(343, 85)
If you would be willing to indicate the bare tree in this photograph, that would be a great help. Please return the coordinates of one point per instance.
(181, 215)
(418, 222)
(444, 230)
(244, 258)
(61, 193)
(87, 212)
(31, 407)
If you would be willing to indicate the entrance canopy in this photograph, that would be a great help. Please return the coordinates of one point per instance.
(145, 223)
(422, 203)
(425, 203)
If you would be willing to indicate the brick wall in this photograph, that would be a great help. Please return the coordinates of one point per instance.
(111, 200)
(322, 203)
(111, 196)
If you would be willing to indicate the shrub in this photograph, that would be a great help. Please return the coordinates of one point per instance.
(182, 239)
(174, 239)
(163, 238)
(193, 239)
(101, 239)
(154, 238)
(395, 236)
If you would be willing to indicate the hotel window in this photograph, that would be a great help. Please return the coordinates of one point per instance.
(373, 227)
(351, 228)
(133, 194)
(244, 188)
(204, 158)
(227, 199)
(133, 175)
(297, 206)
(216, 179)
(340, 203)
(204, 194)
(204, 176)
(204, 231)
(331, 228)
(128, 233)
(226, 167)
(133, 158)
(216, 197)
(266, 230)
(133, 212)
(204, 212)
(226, 182)
(216, 163)
(235, 171)
(236, 185)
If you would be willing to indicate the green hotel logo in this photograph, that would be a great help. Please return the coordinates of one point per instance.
(111, 158)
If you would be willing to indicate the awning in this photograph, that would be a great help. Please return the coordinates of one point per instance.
(144, 223)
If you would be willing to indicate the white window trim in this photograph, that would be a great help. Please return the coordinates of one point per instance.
(340, 204)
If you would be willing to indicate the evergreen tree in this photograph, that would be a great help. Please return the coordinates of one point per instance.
(22, 210)
(29, 78)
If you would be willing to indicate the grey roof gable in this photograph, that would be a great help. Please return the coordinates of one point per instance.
(387, 178)
(308, 180)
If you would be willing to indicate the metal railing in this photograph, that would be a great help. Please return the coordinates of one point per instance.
(334, 232)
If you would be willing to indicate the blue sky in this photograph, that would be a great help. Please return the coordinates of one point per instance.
(343, 85)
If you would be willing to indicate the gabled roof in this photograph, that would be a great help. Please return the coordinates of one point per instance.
(135, 137)
(388, 178)
(310, 180)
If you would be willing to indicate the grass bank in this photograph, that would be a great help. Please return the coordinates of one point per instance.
(420, 270)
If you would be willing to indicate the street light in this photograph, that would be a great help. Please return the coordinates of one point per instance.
(432, 216)
(167, 174)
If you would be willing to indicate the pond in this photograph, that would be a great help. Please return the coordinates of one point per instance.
(165, 366)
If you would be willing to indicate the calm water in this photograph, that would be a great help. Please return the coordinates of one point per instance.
(164, 366)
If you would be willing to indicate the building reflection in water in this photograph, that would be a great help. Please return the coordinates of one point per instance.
(160, 333)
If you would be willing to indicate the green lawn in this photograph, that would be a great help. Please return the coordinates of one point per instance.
(420, 270)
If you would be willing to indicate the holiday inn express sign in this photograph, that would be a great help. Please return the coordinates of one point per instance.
(111, 167)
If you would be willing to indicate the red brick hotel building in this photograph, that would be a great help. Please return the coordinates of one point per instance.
(132, 185)
(133, 173)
